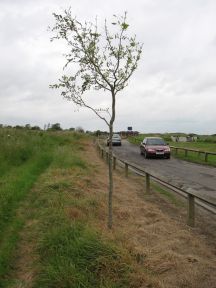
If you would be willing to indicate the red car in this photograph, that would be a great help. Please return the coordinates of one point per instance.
(154, 147)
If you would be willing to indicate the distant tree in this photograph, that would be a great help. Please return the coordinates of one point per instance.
(79, 129)
(104, 60)
(55, 127)
(35, 128)
(18, 127)
(28, 126)
(71, 129)
(97, 133)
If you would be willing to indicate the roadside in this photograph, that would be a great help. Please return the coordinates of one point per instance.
(149, 231)
(190, 156)
(185, 175)
(156, 232)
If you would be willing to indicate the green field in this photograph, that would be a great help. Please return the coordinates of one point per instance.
(203, 144)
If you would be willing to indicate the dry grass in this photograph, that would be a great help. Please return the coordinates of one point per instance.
(169, 253)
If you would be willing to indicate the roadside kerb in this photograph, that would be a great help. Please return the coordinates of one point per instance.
(189, 194)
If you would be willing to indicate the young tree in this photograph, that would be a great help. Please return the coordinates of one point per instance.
(103, 60)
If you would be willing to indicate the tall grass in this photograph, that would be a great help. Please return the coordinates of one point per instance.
(74, 256)
(24, 155)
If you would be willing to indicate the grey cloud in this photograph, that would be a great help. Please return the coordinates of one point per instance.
(173, 86)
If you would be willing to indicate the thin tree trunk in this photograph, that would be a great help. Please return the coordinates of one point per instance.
(111, 161)
(110, 178)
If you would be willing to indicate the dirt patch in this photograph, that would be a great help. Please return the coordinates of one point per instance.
(24, 270)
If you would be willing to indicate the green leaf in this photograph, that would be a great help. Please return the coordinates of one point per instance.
(124, 26)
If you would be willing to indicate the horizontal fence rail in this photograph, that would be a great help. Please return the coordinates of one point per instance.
(192, 197)
(199, 152)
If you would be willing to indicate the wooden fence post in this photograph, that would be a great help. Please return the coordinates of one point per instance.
(114, 162)
(206, 157)
(147, 183)
(186, 152)
(191, 210)
(126, 170)
(176, 150)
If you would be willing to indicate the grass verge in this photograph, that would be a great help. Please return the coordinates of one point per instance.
(70, 252)
(169, 195)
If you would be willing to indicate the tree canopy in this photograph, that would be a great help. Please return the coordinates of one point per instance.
(106, 60)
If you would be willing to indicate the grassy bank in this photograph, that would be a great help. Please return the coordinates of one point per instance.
(70, 253)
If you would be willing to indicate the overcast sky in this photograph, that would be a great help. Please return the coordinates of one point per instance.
(173, 89)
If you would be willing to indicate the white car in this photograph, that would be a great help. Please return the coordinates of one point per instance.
(116, 140)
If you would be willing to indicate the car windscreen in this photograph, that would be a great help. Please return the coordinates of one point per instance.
(155, 142)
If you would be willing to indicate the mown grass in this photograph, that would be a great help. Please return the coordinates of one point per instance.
(70, 253)
(202, 146)
(169, 195)
(195, 157)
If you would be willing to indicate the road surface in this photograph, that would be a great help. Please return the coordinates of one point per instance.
(186, 175)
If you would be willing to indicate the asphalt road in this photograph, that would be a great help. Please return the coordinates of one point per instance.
(186, 175)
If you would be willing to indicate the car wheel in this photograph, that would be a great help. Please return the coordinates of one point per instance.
(141, 153)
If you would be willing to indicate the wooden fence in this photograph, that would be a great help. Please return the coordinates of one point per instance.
(191, 196)
(199, 152)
